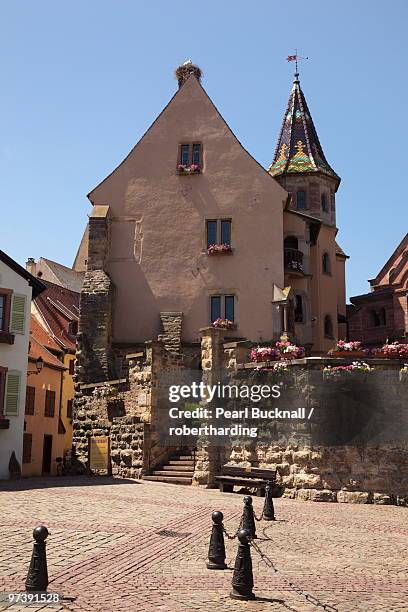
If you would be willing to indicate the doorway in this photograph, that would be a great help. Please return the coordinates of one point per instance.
(47, 452)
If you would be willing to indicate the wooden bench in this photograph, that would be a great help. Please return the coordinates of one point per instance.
(256, 478)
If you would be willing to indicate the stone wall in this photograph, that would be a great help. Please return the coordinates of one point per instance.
(355, 449)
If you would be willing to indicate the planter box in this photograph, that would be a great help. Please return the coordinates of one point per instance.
(352, 354)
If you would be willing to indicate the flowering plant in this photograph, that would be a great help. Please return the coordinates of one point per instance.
(188, 168)
(280, 366)
(341, 345)
(215, 249)
(223, 324)
(288, 349)
(264, 353)
(104, 391)
(356, 366)
(394, 350)
(295, 265)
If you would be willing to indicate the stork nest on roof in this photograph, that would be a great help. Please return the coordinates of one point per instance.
(185, 70)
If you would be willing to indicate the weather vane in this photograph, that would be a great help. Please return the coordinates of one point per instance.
(295, 58)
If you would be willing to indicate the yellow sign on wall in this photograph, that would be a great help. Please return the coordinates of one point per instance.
(99, 453)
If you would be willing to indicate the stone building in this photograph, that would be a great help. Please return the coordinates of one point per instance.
(381, 315)
(189, 228)
(152, 252)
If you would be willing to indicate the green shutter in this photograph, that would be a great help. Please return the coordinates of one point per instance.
(12, 395)
(17, 325)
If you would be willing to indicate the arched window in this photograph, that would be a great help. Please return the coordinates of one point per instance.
(323, 198)
(326, 263)
(299, 316)
(291, 242)
(301, 202)
(328, 326)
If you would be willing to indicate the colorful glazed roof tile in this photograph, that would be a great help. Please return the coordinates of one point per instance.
(299, 148)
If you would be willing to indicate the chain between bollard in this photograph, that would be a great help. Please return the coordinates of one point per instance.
(310, 598)
(229, 536)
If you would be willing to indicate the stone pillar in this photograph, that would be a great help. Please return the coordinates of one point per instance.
(171, 323)
(212, 362)
(94, 361)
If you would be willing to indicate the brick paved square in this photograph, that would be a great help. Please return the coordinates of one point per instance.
(106, 552)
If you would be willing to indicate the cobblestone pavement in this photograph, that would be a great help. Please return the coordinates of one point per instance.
(106, 552)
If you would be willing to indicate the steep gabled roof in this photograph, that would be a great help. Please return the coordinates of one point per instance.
(190, 80)
(36, 284)
(387, 267)
(37, 348)
(58, 308)
(62, 275)
(298, 149)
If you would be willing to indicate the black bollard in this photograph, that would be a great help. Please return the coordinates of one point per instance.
(269, 510)
(216, 550)
(37, 577)
(243, 578)
(248, 520)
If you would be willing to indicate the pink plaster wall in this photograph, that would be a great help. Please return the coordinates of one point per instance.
(169, 270)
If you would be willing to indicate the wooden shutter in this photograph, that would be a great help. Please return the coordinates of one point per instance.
(69, 408)
(30, 400)
(18, 316)
(12, 395)
(27, 447)
(49, 403)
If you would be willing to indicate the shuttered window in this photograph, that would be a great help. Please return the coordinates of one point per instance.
(12, 395)
(18, 308)
(71, 366)
(49, 403)
(27, 447)
(30, 400)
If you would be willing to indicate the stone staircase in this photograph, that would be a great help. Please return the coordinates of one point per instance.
(178, 470)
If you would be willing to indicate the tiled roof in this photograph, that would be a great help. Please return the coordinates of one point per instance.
(59, 307)
(298, 149)
(43, 336)
(66, 277)
(37, 349)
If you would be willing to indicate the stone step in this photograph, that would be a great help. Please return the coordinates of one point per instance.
(186, 457)
(173, 474)
(181, 462)
(178, 480)
(184, 468)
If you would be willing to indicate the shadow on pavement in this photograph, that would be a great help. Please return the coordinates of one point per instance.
(26, 484)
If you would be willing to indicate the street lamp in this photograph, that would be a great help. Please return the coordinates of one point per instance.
(39, 364)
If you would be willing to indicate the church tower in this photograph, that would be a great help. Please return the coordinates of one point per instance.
(314, 263)
(299, 163)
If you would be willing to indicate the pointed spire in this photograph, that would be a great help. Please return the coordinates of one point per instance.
(298, 149)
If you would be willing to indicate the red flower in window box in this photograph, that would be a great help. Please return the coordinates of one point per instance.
(188, 169)
(219, 249)
(223, 324)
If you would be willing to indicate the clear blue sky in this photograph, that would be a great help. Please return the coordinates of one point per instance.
(82, 81)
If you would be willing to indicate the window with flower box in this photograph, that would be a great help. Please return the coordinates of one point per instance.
(190, 158)
(222, 307)
(218, 236)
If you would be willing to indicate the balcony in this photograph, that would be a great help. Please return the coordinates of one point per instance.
(293, 259)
